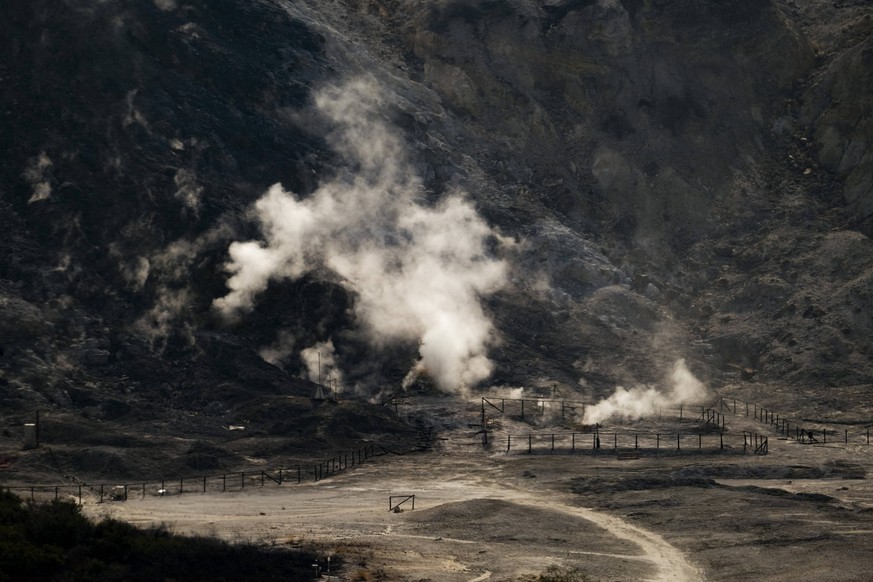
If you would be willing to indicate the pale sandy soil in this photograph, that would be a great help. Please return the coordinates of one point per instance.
(483, 515)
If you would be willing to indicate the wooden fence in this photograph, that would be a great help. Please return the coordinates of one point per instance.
(615, 442)
(790, 428)
(220, 483)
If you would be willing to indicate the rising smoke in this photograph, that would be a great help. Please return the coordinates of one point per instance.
(418, 271)
(321, 365)
(643, 401)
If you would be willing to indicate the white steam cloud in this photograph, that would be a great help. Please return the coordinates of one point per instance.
(321, 365)
(279, 352)
(187, 189)
(418, 271)
(642, 401)
(37, 174)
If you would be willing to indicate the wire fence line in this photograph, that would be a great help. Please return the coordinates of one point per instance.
(216, 483)
(788, 427)
(634, 442)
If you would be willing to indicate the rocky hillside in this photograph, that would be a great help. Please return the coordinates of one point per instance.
(502, 192)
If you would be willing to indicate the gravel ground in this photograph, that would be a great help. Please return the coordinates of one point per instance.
(801, 512)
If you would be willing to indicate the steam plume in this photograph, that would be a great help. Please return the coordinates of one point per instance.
(418, 271)
(642, 401)
(321, 364)
(279, 352)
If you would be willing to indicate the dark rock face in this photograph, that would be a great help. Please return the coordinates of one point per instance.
(682, 179)
(839, 109)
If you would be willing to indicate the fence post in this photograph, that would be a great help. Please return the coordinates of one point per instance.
(735, 405)
(636, 441)
(824, 433)
(143, 490)
(699, 442)
(298, 470)
(868, 436)
(242, 480)
(508, 442)
(224, 482)
(529, 441)
(56, 493)
(678, 446)
(180, 485)
(80, 494)
(101, 493)
(615, 441)
(573, 442)
(846, 434)
(657, 441)
(522, 408)
(280, 475)
(553, 442)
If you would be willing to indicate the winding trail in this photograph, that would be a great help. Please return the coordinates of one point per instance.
(669, 561)
(455, 534)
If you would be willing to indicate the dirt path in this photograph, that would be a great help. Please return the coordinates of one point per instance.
(463, 527)
(670, 562)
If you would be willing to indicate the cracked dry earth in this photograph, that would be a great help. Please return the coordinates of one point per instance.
(484, 515)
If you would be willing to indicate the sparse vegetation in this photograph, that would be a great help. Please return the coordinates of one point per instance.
(55, 542)
(555, 573)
